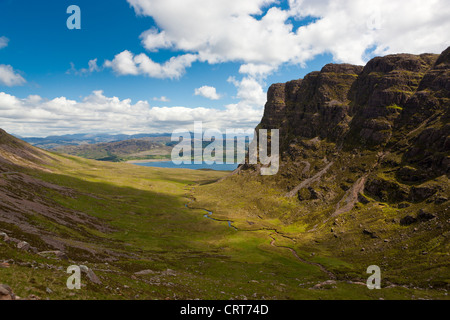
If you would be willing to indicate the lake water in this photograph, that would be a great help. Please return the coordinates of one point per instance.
(170, 164)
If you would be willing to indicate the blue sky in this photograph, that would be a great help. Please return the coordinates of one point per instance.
(228, 52)
(108, 28)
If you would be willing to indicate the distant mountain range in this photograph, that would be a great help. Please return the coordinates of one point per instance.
(116, 151)
(115, 148)
(53, 142)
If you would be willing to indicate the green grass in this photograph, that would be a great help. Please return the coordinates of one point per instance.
(151, 228)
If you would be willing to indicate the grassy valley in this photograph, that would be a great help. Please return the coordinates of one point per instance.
(142, 231)
(363, 181)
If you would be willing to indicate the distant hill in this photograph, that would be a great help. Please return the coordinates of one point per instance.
(133, 149)
(53, 142)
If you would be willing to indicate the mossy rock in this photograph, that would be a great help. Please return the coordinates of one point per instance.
(410, 174)
(387, 190)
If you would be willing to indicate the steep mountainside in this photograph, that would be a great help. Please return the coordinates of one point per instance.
(385, 128)
(364, 169)
(135, 232)
(27, 208)
(17, 152)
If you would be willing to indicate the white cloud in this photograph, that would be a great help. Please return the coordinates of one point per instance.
(92, 67)
(154, 40)
(207, 92)
(3, 42)
(123, 64)
(261, 36)
(257, 71)
(227, 30)
(9, 77)
(126, 63)
(161, 99)
(348, 29)
(250, 91)
(255, 33)
(36, 116)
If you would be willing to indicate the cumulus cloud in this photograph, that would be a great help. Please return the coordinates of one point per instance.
(36, 116)
(262, 35)
(207, 92)
(123, 64)
(257, 71)
(3, 42)
(126, 63)
(153, 40)
(249, 91)
(259, 33)
(348, 29)
(9, 77)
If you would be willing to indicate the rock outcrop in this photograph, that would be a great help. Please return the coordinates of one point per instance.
(6, 293)
(364, 106)
(381, 131)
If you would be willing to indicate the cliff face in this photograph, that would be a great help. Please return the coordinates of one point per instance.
(364, 162)
(394, 101)
(351, 134)
(361, 106)
(317, 106)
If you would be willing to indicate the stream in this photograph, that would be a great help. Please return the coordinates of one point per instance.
(208, 215)
(230, 223)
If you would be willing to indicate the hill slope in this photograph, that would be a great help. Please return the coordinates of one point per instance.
(363, 181)
(138, 235)
(364, 175)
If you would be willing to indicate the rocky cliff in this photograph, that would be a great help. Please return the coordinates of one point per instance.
(362, 106)
(388, 122)
(365, 164)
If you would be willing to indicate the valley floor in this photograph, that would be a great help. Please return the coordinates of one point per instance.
(143, 233)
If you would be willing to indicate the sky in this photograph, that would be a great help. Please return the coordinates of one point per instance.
(147, 66)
